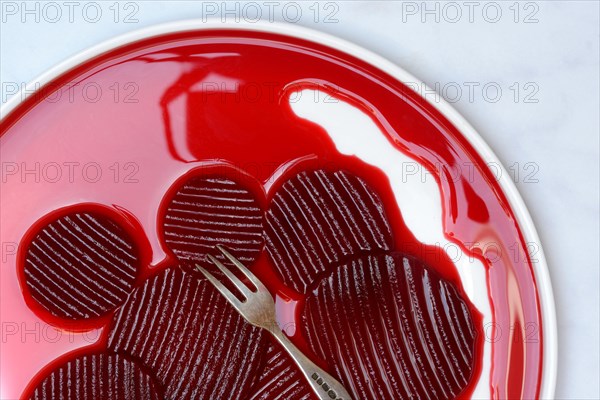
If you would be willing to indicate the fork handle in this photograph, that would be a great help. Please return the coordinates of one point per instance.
(324, 385)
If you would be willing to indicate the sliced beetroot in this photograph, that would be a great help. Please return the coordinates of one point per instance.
(392, 329)
(98, 377)
(81, 265)
(206, 211)
(186, 333)
(319, 218)
(281, 379)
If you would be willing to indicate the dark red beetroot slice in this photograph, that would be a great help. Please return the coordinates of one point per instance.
(80, 266)
(207, 211)
(317, 219)
(98, 377)
(281, 379)
(392, 329)
(183, 329)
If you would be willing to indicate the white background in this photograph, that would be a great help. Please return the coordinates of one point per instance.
(544, 126)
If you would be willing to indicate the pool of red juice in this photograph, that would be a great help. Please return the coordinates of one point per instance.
(121, 128)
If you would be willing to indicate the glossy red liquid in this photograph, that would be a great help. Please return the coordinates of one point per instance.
(202, 98)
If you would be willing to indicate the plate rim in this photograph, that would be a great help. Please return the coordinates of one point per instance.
(524, 220)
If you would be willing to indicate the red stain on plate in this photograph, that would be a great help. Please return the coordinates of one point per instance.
(179, 133)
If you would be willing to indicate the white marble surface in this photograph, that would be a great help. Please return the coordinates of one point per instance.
(554, 62)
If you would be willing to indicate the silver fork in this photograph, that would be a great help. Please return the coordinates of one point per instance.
(258, 308)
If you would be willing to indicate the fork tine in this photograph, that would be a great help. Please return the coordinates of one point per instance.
(241, 286)
(222, 289)
(259, 285)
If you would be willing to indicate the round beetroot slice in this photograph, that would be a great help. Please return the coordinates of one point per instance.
(281, 379)
(319, 218)
(391, 329)
(207, 211)
(183, 330)
(98, 376)
(81, 265)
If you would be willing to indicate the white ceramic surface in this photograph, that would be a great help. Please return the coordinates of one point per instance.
(425, 196)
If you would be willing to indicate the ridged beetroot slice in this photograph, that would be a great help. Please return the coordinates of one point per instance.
(281, 379)
(98, 377)
(207, 211)
(183, 330)
(80, 266)
(317, 219)
(392, 329)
